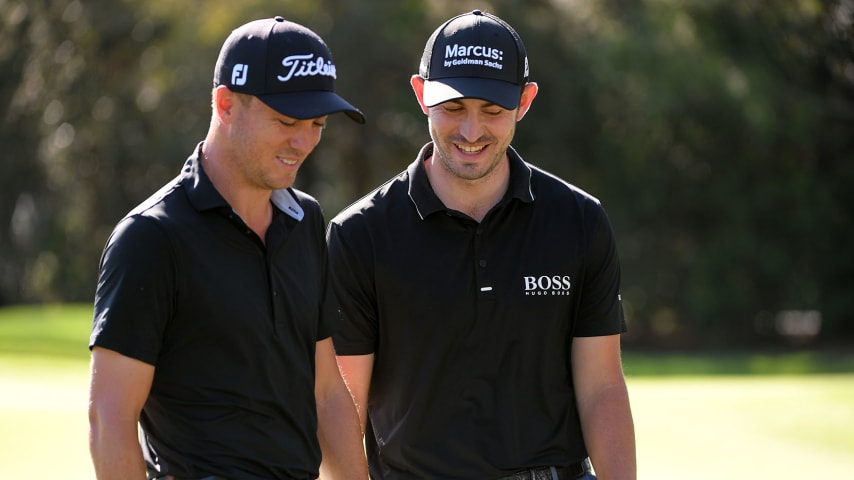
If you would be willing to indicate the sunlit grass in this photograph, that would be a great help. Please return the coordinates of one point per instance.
(761, 427)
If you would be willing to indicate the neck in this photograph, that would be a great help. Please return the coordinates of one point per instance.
(474, 198)
(252, 204)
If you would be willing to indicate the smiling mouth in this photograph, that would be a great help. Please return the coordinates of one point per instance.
(288, 161)
(470, 149)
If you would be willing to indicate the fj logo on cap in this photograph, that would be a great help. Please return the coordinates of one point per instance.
(238, 74)
(304, 66)
(462, 55)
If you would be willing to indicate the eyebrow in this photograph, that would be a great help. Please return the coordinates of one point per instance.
(459, 101)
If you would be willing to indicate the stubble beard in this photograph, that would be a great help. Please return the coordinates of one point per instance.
(456, 166)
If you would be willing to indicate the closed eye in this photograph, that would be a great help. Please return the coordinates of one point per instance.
(286, 123)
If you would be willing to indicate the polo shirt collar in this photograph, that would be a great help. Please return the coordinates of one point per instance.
(204, 196)
(426, 201)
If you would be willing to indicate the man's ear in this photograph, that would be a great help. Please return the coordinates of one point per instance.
(417, 82)
(223, 103)
(528, 93)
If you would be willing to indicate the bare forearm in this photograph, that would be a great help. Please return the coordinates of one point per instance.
(609, 434)
(119, 386)
(356, 371)
(116, 455)
(340, 438)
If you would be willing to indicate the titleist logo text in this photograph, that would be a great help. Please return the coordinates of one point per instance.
(304, 66)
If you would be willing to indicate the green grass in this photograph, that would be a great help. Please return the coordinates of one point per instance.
(43, 376)
(697, 417)
(803, 362)
(50, 331)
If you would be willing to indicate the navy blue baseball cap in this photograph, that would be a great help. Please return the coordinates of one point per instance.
(474, 55)
(284, 64)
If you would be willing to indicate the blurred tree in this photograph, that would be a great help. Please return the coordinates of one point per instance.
(63, 140)
(717, 135)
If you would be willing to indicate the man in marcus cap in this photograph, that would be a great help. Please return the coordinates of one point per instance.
(480, 295)
(213, 310)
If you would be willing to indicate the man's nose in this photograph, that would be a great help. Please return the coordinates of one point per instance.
(471, 127)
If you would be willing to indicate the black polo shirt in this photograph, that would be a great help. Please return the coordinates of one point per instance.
(230, 325)
(471, 323)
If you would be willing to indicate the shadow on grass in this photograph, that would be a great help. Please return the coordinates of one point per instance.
(58, 331)
(737, 363)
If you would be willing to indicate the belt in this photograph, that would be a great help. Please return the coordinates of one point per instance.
(568, 472)
(173, 477)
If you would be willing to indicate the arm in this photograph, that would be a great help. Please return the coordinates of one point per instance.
(356, 370)
(337, 421)
(118, 388)
(603, 406)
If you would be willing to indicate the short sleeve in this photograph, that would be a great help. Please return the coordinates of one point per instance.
(136, 288)
(350, 260)
(600, 310)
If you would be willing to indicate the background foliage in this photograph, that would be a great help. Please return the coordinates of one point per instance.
(719, 135)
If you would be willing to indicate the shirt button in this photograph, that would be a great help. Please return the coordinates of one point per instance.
(482, 263)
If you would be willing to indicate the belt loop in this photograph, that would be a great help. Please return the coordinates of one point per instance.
(553, 471)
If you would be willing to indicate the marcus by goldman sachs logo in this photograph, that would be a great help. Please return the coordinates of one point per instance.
(306, 66)
(473, 55)
(547, 285)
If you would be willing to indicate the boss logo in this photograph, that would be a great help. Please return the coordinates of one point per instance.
(547, 285)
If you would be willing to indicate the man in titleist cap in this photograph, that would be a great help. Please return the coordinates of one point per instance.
(213, 313)
(480, 295)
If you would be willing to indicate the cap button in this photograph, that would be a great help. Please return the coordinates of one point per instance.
(476, 12)
(278, 18)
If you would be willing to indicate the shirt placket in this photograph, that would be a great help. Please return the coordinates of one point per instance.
(484, 281)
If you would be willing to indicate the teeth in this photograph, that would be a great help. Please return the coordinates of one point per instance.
(467, 149)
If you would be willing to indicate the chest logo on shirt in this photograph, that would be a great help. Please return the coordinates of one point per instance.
(547, 285)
